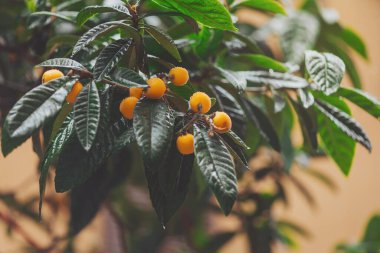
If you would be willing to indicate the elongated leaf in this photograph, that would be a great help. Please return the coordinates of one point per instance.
(75, 165)
(62, 63)
(274, 79)
(261, 121)
(351, 38)
(164, 40)
(64, 15)
(87, 115)
(210, 13)
(37, 106)
(344, 122)
(326, 70)
(91, 11)
(263, 5)
(262, 61)
(153, 125)
(234, 78)
(237, 140)
(110, 57)
(339, 146)
(168, 184)
(128, 78)
(361, 99)
(52, 153)
(217, 167)
(93, 33)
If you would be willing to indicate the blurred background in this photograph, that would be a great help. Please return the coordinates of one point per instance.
(339, 215)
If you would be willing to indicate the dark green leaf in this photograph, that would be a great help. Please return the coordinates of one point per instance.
(37, 106)
(217, 167)
(210, 13)
(261, 121)
(344, 121)
(262, 5)
(361, 99)
(326, 70)
(110, 57)
(168, 184)
(87, 115)
(91, 11)
(237, 140)
(52, 153)
(275, 79)
(93, 33)
(164, 40)
(153, 125)
(62, 63)
(128, 78)
(372, 232)
(234, 78)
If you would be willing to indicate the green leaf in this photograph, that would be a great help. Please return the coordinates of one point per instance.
(344, 121)
(110, 57)
(64, 15)
(237, 140)
(8, 144)
(234, 78)
(63, 63)
(128, 78)
(52, 153)
(164, 40)
(352, 39)
(169, 184)
(306, 97)
(210, 13)
(262, 61)
(326, 70)
(275, 79)
(76, 165)
(93, 33)
(262, 5)
(87, 115)
(217, 167)
(372, 231)
(339, 146)
(37, 106)
(361, 99)
(91, 11)
(262, 122)
(153, 125)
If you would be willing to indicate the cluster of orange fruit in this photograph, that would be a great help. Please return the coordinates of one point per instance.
(199, 102)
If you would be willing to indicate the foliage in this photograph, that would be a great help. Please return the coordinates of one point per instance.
(113, 48)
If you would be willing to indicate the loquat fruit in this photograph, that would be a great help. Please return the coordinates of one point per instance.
(136, 92)
(179, 76)
(127, 107)
(222, 122)
(200, 102)
(51, 75)
(73, 94)
(156, 88)
(185, 144)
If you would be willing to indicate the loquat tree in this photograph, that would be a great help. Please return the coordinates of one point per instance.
(178, 90)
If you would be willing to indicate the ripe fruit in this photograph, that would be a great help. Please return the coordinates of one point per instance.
(179, 76)
(136, 92)
(127, 107)
(222, 122)
(185, 144)
(156, 89)
(72, 96)
(51, 75)
(200, 102)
